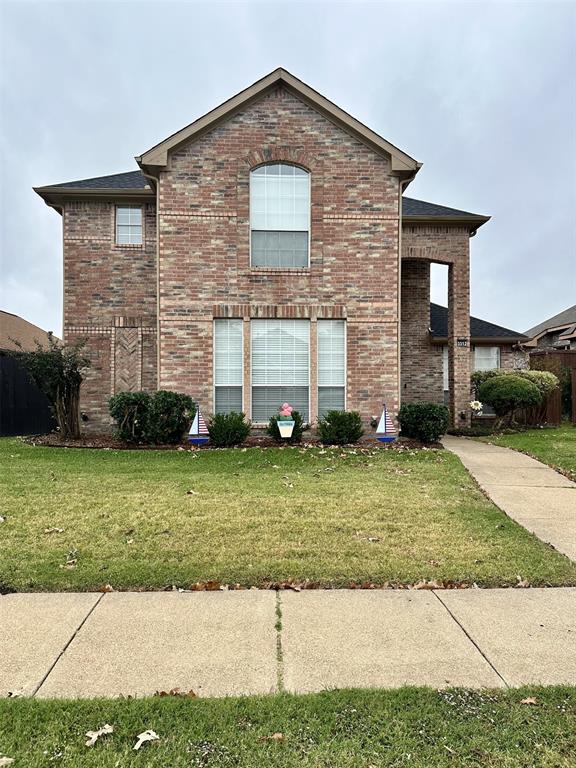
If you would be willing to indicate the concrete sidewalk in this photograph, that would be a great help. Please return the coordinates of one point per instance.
(253, 642)
(537, 497)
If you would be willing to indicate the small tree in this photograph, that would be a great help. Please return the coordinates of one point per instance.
(506, 394)
(57, 370)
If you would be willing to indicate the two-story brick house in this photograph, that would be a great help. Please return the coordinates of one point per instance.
(266, 253)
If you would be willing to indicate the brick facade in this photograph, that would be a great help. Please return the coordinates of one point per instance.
(147, 311)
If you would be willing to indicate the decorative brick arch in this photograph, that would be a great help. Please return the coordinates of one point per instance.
(281, 154)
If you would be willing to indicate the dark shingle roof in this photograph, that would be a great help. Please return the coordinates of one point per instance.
(411, 207)
(129, 180)
(479, 329)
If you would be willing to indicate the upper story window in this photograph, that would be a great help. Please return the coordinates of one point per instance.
(279, 216)
(128, 225)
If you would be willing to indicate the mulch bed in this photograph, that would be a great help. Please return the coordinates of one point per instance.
(109, 442)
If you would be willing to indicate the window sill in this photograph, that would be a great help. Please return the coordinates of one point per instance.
(280, 270)
(129, 246)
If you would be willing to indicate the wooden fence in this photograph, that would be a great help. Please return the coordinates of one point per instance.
(24, 410)
(563, 364)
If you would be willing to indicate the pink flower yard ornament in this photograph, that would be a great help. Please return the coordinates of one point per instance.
(285, 420)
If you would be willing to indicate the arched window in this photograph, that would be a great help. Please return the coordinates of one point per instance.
(279, 216)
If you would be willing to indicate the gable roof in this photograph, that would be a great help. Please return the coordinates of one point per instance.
(480, 330)
(564, 318)
(15, 327)
(157, 156)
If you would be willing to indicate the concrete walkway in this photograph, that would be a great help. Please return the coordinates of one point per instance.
(254, 642)
(537, 497)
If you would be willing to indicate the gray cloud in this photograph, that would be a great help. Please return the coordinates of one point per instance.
(483, 93)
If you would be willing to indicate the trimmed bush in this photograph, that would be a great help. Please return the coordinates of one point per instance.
(228, 429)
(340, 427)
(426, 422)
(299, 428)
(169, 417)
(545, 380)
(470, 431)
(506, 394)
(130, 412)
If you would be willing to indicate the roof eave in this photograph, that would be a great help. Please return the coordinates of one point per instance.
(157, 157)
(472, 222)
(484, 339)
(55, 196)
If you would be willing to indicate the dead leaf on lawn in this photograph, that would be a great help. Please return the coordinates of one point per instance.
(178, 693)
(522, 583)
(106, 588)
(17, 694)
(205, 586)
(274, 737)
(530, 701)
(192, 493)
(54, 530)
(6, 760)
(144, 737)
(2, 519)
(93, 736)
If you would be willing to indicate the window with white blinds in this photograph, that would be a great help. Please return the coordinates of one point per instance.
(280, 365)
(228, 368)
(129, 225)
(486, 358)
(331, 366)
(279, 215)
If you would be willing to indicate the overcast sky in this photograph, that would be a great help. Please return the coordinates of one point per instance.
(484, 94)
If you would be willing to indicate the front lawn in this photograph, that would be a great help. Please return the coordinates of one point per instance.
(415, 727)
(556, 447)
(79, 519)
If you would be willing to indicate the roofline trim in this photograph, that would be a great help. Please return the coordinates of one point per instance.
(157, 156)
(484, 339)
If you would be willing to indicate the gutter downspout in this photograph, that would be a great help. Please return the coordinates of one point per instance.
(156, 186)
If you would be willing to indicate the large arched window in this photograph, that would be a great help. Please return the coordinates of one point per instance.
(279, 216)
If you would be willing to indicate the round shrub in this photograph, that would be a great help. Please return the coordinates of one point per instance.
(426, 422)
(299, 428)
(130, 412)
(546, 381)
(505, 394)
(228, 429)
(340, 427)
(169, 417)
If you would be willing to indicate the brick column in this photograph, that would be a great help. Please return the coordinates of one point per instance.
(459, 340)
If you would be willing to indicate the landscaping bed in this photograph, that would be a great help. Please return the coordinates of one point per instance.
(529, 727)
(327, 517)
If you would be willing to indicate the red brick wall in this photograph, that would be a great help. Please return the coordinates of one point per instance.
(108, 287)
(205, 258)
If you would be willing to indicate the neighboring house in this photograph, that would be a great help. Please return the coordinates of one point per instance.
(24, 409)
(558, 332)
(265, 253)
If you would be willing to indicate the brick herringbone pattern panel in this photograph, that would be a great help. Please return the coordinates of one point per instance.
(128, 361)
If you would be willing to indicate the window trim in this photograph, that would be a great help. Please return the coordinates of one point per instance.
(270, 268)
(214, 385)
(281, 319)
(332, 320)
(115, 208)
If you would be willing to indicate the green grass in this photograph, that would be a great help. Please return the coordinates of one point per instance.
(255, 516)
(414, 727)
(556, 447)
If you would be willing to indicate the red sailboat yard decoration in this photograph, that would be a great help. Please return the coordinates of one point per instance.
(385, 431)
(198, 434)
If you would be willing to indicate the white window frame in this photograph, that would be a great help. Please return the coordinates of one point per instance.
(484, 347)
(261, 423)
(338, 320)
(214, 385)
(129, 207)
(309, 175)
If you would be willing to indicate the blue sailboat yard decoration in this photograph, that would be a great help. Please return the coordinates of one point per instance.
(385, 431)
(198, 434)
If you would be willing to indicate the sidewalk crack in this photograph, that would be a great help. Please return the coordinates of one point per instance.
(63, 651)
(469, 636)
(279, 651)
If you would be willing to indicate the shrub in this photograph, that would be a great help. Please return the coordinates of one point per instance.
(545, 380)
(505, 394)
(57, 370)
(130, 412)
(169, 416)
(340, 427)
(227, 429)
(426, 422)
(469, 431)
(299, 428)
